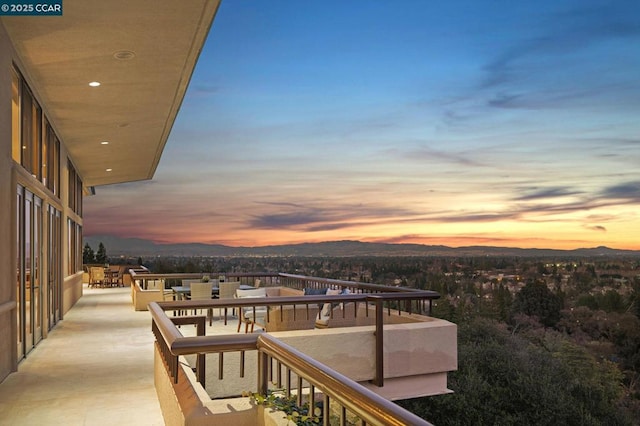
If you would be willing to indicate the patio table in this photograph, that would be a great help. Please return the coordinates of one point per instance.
(179, 292)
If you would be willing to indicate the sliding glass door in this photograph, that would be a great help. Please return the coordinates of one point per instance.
(29, 274)
(54, 246)
(20, 279)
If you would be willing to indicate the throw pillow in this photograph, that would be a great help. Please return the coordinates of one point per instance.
(315, 291)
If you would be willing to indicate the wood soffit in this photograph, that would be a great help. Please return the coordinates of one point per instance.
(143, 54)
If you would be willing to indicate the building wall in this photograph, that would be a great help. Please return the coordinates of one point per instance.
(10, 176)
(71, 291)
(7, 228)
(71, 284)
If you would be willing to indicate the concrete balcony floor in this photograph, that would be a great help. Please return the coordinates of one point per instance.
(95, 368)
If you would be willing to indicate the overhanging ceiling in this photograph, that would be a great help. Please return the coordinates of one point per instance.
(143, 54)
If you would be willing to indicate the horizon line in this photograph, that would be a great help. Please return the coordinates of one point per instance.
(164, 243)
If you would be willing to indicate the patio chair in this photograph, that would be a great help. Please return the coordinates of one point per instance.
(155, 284)
(227, 290)
(111, 276)
(187, 283)
(251, 315)
(96, 276)
(119, 277)
(201, 291)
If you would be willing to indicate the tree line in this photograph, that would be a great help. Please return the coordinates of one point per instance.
(563, 349)
(91, 257)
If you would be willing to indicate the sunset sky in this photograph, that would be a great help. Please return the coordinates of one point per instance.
(435, 122)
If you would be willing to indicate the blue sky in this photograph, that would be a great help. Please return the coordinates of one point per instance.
(456, 123)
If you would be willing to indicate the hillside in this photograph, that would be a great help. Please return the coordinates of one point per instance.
(139, 247)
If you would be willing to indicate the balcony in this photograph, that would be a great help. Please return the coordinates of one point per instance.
(380, 345)
(101, 366)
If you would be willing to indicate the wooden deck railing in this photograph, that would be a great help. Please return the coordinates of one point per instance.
(400, 299)
(334, 387)
(302, 281)
(269, 279)
(299, 282)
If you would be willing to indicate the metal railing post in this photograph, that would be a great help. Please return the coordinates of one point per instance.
(379, 334)
(263, 373)
(201, 366)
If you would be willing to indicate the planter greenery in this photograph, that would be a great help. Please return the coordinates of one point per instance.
(288, 405)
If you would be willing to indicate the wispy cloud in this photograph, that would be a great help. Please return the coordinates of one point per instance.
(556, 192)
(629, 192)
(563, 33)
(318, 218)
(205, 89)
(478, 217)
(549, 98)
(458, 240)
(431, 154)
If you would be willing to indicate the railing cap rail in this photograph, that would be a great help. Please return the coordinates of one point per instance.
(213, 275)
(314, 281)
(180, 345)
(296, 300)
(343, 283)
(370, 406)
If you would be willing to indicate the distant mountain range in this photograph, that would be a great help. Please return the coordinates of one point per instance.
(116, 246)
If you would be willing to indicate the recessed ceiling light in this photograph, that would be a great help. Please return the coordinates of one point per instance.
(94, 84)
(124, 55)
(108, 170)
(104, 143)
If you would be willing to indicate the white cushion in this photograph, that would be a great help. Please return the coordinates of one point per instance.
(261, 311)
(257, 292)
(326, 308)
(247, 311)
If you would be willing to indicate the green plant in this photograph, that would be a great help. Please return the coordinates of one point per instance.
(289, 405)
(205, 279)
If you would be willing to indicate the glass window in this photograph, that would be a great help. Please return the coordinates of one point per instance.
(39, 272)
(54, 167)
(51, 160)
(16, 146)
(26, 115)
(79, 196)
(71, 186)
(75, 190)
(74, 245)
(70, 239)
(34, 144)
(46, 142)
(36, 141)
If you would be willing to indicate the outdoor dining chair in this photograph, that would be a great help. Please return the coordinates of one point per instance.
(251, 315)
(96, 276)
(227, 290)
(201, 291)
